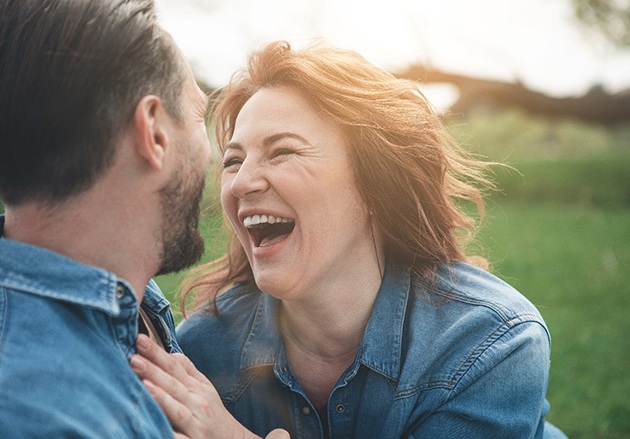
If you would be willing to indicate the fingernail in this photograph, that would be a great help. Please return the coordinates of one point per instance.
(138, 364)
(143, 342)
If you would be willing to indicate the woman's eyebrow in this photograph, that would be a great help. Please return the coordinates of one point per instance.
(268, 141)
(283, 135)
(233, 145)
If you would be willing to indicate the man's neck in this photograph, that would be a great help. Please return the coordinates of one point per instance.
(89, 234)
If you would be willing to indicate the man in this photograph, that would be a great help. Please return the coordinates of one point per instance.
(103, 152)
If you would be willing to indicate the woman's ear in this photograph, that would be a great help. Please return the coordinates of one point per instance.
(150, 119)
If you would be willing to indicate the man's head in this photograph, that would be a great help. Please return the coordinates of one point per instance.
(72, 72)
(78, 80)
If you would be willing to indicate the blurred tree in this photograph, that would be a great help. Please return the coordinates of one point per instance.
(610, 18)
(595, 106)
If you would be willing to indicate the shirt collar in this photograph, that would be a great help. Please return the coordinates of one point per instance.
(263, 341)
(36, 270)
(381, 347)
(154, 301)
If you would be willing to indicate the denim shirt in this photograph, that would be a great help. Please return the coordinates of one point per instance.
(67, 331)
(468, 360)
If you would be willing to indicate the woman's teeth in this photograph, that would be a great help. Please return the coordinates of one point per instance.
(254, 220)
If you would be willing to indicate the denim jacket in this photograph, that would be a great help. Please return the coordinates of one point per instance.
(67, 331)
(470, 359)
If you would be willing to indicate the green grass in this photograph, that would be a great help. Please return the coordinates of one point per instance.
(514, 136)
(602, 180)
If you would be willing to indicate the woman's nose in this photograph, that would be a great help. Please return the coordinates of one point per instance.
(249, 179)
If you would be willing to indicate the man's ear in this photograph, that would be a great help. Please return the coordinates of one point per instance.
(149, 121)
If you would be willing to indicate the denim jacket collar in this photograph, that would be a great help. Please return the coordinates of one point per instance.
(49, 276)
(380, 349)
(263, 344)
(154, 301)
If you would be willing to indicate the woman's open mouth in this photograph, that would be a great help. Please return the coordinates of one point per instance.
(265, 230)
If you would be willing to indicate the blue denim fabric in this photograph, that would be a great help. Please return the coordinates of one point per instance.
(468, 360)
(158, 310)
(66, 333)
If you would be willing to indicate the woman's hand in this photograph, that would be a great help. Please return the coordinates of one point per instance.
(188, 398)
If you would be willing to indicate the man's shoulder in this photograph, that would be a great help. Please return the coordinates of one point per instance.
(41, 272)
(62, 373)
(60, 340)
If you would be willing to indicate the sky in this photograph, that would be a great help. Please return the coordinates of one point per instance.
(536, 42)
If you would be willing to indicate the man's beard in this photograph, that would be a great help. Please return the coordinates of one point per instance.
(182, 244)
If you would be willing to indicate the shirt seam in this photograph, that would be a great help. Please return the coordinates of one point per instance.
(476, 353)
(452, 383)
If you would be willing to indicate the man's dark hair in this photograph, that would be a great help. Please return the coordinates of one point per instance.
(71, 75)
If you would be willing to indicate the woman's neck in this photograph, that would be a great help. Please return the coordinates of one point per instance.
(322, 339)
(330, 326)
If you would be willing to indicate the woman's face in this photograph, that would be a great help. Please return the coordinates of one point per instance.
(289, 192)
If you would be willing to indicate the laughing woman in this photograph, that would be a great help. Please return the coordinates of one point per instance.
(346, 306)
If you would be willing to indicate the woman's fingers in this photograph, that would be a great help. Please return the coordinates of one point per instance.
(190, 369)
(189, 413)
(170, 384)
(181, 418)
(189, 400)
(177, 365)
(278, 434)
(174, 373)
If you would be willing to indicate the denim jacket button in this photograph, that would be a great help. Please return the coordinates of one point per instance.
(340, 408)
(306, 410)
(283, 370)
(120, 291)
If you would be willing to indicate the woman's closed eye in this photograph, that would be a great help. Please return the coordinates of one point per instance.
(229, 162)
(282, 153)
(232, 162)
